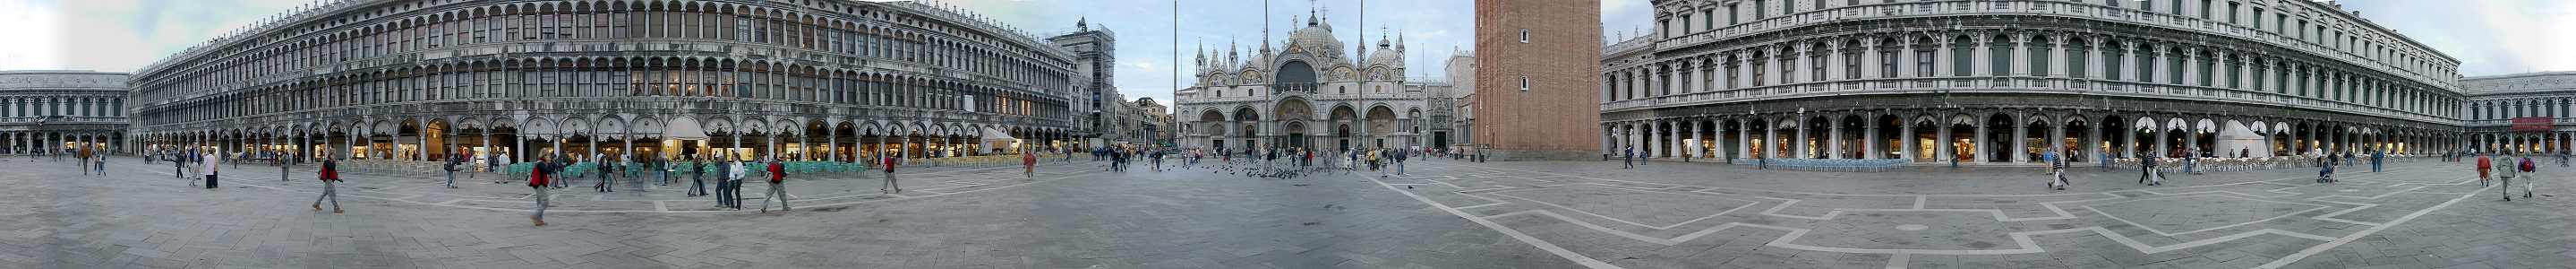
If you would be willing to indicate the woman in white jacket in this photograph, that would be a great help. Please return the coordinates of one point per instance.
(734, 182)
(208, 168)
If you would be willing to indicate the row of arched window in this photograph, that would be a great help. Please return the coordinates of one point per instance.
(382, 38)
(2025, 55)
(76, 106)
(2286, 18)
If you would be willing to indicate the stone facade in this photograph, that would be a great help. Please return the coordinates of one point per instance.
(2003, 81)
(45, 111)
(1306, 94)
(2493, 102)
(803, 80)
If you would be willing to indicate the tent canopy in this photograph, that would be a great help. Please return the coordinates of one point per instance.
(684, 129)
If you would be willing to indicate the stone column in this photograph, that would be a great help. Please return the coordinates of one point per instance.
(1834, 148)
(2020, 141)
(1905, 140)
(2057, 139)
(1985, 149)
(1944, 148)
(1800, 145)
(1743, 139)
(1869, 140)
(2161, 147)
(1771, 140)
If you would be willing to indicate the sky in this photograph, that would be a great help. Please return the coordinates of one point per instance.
(2488, 36)
(1145, 32)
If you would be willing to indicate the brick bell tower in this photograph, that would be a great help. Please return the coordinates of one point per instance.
(1538, 66)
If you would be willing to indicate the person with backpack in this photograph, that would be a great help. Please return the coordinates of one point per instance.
(697, 176)
(777, 187)
(1628, 157)
(536, 181)
(452, 161)
(330, 177)
(890, 186)
(2147, 173)
(2521, 167)
(602, 168)
(2483, 167)
(2528, 168)
(99, 162)
(1400, 155)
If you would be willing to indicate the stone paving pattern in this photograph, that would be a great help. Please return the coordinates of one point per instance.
(1444, 214)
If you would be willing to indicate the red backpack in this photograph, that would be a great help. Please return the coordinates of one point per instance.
(2526, 165)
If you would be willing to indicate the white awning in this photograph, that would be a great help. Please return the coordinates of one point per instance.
(684, 129)
(991, 135)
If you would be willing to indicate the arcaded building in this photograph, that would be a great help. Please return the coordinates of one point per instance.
(799, 80)
(50, 110)
(2542, 99)
(2004, 81)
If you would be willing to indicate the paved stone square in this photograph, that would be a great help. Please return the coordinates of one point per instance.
(1442, 214)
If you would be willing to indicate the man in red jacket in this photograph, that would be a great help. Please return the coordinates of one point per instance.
(330, 176)
(890, 186)
(1029, 164)
(777, 187)
(537, 172)
(2483, 167)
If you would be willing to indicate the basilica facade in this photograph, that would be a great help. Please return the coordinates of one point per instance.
(1306, 92)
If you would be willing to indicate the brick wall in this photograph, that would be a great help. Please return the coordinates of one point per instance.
(1556, 117)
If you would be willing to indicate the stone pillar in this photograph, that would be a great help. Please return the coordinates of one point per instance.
(2161, 148)
(1834, 148)
(1771, 140)
(1652, 134)
(1905, 140)
(1743, 139)
(1800, 145)
(1985, 149)
(2191, 136)
(1944, 148)
(1869, 140)
(2057, 139)
(2020, 141)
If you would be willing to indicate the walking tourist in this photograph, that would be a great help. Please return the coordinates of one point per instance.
(890, 186)
(2147, 167)
(2483, 167)
(537, 181)
(1029, 165)
(452, 161)
(330, 177)
(2528, 169)
(2506, 178)
(208, 169)
(697, 176)
(777, 187)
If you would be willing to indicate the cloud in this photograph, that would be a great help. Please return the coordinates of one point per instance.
(31, 19)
